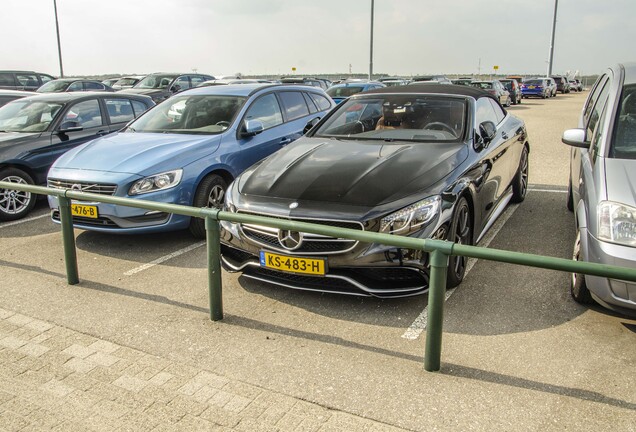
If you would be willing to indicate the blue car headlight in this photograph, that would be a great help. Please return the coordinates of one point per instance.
(617, 223)
(411, 218)
(156, 182)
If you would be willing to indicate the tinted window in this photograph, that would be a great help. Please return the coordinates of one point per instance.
(93, 86)
(310, 103)
(322, 102)
(596, 109)
(499, 112)
(139, 108)
(76, 86)
(485, 111)
(593, 97)
(46, 78)
(6, 79)
(196, 80)
(182, 83)
(119, 110)
(28, 80)
(294, 105)
(345, 91)
(266, 110)
(87, 114)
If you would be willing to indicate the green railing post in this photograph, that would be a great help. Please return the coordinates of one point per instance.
(436, 293)
(68, 239)
(215, 286)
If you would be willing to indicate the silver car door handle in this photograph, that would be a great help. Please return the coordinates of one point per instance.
(285, 141)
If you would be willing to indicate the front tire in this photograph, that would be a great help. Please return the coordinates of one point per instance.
(461, 232)
(210, 194)
(579, 289)
(520, 182)
(15, 204)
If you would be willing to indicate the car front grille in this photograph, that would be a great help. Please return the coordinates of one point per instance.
(314, 244)
(96, 188)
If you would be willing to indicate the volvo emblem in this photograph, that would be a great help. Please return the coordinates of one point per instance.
(290, 240)
(293, 205)
(76, 187)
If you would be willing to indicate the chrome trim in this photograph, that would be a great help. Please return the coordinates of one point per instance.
(371, 292)
(501, 207)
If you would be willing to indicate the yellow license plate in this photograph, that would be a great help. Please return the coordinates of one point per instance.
(87, 211)
(531, 87)
(309, 266)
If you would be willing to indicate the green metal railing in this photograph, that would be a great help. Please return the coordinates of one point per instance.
(439, 251)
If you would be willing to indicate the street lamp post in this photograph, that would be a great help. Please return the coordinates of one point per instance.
(371, 45)
(59, 47)
(556, 5)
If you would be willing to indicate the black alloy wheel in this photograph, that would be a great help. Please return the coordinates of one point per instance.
(520, 182)
(461, 231)
(15, 204)
(579, 289)
(210, 194)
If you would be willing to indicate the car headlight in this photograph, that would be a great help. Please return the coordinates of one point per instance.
(156, 182)
(228, 204)
(409, 218)
(617, 223)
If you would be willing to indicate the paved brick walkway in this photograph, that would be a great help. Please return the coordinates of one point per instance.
(53, 378)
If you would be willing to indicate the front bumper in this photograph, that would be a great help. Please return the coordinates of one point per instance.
(612, 293)
(361, 269)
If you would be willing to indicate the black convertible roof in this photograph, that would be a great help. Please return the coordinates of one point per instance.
(451, 89)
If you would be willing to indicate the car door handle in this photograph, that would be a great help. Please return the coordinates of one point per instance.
(504, 135)
(102, 132)
(285, 141)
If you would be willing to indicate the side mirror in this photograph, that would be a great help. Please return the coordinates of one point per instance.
(575, 138)
(487, 131)
(70, 126)
(252, 127)
(175, 88)
(310, 124)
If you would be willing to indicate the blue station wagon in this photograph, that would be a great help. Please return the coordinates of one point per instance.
(186, 150)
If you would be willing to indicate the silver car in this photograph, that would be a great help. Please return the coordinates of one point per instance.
(602, 188)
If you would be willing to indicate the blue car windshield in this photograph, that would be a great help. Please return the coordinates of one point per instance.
(396, 117)
(28, 116)
(200, 114)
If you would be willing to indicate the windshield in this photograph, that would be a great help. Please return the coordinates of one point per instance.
(27, 116)
(623, 145)
(53, 87)
(344, 92)
(190, 115)
(156, 82)
(397, 117)
(126, 82)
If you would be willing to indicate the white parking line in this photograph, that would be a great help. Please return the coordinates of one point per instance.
(530, 189)
(419, 325)
(21, 221)
(164, 258)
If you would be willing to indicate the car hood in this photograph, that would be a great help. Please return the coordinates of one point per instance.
(138, 153)
(10, 138)
(360, 173)
(13, 144)
(620, 175)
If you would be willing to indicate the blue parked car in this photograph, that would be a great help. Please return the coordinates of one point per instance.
(185, 151)
(340, 92)
(539, 87)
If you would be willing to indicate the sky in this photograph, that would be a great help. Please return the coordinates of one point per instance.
(270, 37)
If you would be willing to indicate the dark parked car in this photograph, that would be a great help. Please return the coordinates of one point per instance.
(316, 82)
(440, 79)
(538, 87)
(7, 96)
(23, 80)
(602, 187)
(160, 86)
(495, 88)
(127, 82)
(73, 85)
(110, 81)
(514, 88)
(185, 151)
(36, 130)
(340, 92)
(424, 161)
(463, 81)
(562, 83)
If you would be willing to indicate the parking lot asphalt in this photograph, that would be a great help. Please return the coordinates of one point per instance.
(132, 348)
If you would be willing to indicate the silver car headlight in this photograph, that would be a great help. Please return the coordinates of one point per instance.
(617, 223)
(153, 183)
(228, 204)
(412, 217)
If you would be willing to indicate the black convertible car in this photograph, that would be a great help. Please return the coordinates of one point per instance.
(425, 161)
